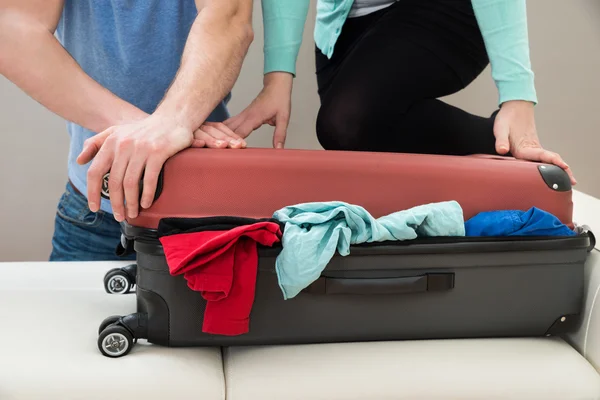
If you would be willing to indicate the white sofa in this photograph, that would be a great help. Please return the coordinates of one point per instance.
(50, 313)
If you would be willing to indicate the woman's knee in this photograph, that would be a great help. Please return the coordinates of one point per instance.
(338, 128)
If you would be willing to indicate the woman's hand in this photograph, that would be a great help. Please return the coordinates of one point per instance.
(516, 132)
(216, 135)
(272, 106)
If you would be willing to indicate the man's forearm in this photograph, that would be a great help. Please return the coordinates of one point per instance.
(217, 45)
(33, 59)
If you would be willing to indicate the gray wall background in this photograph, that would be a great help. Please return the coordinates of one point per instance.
(565, 51)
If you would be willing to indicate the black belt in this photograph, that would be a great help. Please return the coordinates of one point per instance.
(75, 189)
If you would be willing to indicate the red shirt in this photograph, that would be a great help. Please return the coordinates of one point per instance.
(222, 266)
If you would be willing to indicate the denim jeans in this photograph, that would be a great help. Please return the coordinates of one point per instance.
(82, 235)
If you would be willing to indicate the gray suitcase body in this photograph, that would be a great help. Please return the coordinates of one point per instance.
(422, 289)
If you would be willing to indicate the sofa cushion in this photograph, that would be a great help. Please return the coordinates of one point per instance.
(586, 338)
(50, 315)
(591, 347)
(536, 368)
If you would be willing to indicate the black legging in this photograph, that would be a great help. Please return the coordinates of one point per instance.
(379, 90)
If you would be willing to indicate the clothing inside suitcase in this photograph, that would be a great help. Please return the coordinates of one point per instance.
(427, 288)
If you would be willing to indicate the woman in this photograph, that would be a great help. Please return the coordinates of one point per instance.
(382, 66)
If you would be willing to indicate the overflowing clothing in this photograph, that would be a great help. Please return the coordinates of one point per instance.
(314, 231)
(218, 257)
(534, 222)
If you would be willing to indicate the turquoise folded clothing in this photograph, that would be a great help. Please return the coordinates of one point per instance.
(314, 231)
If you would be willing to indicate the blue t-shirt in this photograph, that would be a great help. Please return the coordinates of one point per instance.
(131, 47)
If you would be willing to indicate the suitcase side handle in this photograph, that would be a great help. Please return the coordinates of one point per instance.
(435, 282)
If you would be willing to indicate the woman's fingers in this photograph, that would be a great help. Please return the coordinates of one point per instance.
(200, 136)
(221, 131)
(545, 156)
(281, 125)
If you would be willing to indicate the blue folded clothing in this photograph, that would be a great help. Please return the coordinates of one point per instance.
(534, 222)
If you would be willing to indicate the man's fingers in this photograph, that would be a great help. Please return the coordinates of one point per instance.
(280, 131)
(100, 166)
(153, 168)
(91, 147)
(88, 153)
(501, 132)
(209, 140)
(131, 182)
(116, 180)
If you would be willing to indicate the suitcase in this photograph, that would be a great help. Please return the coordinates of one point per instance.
(458, 287)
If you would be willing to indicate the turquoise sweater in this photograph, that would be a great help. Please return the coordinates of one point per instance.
(503, 24)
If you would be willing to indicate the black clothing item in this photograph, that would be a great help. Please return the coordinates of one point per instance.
(380, 89)
(174, 226)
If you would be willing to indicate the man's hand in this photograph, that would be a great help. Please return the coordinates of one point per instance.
(212, 58)
(516, 132)
(128, 151)
(272, 106)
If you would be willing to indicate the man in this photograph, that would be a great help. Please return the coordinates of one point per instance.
(135, 79)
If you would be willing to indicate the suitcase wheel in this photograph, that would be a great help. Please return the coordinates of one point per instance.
(108, 321)
(115, 341)
(119, 280)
